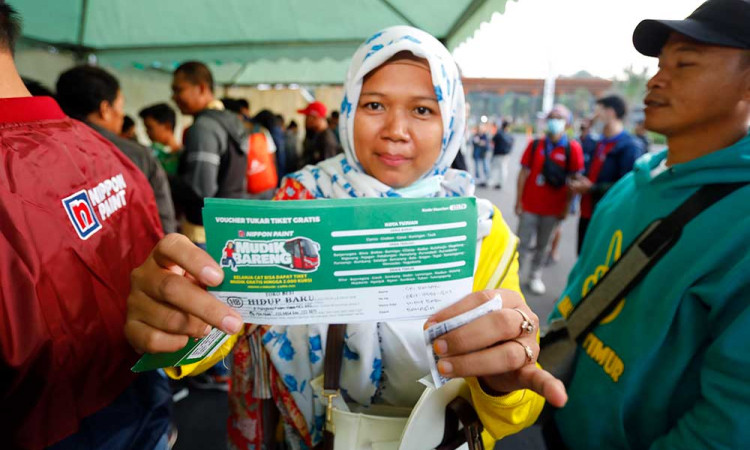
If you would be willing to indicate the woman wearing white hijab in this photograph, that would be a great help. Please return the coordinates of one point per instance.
(403, 119)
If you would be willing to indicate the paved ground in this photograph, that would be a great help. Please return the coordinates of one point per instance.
(554, 276)
(202, 416)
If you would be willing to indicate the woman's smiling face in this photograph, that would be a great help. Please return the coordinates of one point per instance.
(398, 129)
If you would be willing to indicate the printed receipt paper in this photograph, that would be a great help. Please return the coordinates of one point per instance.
(334, 261)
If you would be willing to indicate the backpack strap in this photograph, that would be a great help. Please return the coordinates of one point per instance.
(647, 249)
(534, 145)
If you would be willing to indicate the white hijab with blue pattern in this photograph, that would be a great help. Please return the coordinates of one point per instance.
(297, 351)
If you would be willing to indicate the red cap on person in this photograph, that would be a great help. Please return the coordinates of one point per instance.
(316, 109)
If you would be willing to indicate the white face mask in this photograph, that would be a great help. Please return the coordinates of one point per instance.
(426, 187)
(555, 126)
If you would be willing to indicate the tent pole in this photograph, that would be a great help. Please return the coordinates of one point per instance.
(236, 76)
(80, 54)
(398, 12)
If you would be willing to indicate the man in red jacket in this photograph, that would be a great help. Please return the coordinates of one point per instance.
(76, 216)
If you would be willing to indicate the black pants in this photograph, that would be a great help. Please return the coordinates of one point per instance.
(583, 225)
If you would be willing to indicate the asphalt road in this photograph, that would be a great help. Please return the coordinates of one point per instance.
(554, 276)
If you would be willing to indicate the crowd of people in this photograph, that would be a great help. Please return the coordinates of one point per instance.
(89, 249)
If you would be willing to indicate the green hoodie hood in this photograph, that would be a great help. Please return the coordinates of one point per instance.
(727, 165)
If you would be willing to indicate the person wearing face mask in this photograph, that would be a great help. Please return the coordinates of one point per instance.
(613, 157)
(542, 198)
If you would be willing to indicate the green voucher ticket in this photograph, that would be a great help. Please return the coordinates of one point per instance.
(334, 261)
(341, 261)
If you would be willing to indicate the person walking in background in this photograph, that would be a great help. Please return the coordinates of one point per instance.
(502, 145)
(481, 142)
(160, 121)
(93, 96)
(291, 143)
(588, 141)
(543, 199)
(613, 157)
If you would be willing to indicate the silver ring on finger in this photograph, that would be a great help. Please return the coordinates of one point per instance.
(527, 325)
(527, 349)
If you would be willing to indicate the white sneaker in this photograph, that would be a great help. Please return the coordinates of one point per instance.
(536, 286)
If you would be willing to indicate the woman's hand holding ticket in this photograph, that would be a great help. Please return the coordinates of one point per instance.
(168, 301)
(497, 347)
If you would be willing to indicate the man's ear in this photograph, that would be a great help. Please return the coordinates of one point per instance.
(105, 109)
(204, 88)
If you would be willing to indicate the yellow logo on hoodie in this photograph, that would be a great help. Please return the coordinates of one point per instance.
(603, 355)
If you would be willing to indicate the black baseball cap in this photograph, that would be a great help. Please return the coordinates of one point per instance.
(716, 22)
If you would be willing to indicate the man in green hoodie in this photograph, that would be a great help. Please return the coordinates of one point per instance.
(669, 367)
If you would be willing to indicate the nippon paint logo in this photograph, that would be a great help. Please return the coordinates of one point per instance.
(298, 254)
(106, 198)
(81, 214)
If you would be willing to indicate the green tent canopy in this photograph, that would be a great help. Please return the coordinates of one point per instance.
(246, 41)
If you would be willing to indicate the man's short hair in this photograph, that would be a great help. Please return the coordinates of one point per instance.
(616, 103)
(36, 88)
(127, 123)
(196, 72)
(243, 103)
(334, 115)
(160, 112)
(10, 27)
(232, 104)
(82, 89)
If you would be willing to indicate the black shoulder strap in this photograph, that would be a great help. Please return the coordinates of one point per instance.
(647, 249)
(332, 375)
(534, 145)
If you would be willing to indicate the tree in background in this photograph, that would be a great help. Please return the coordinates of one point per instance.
(632, 86)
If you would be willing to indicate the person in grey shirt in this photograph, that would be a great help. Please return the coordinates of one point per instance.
(93, 96)
(214, 159)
